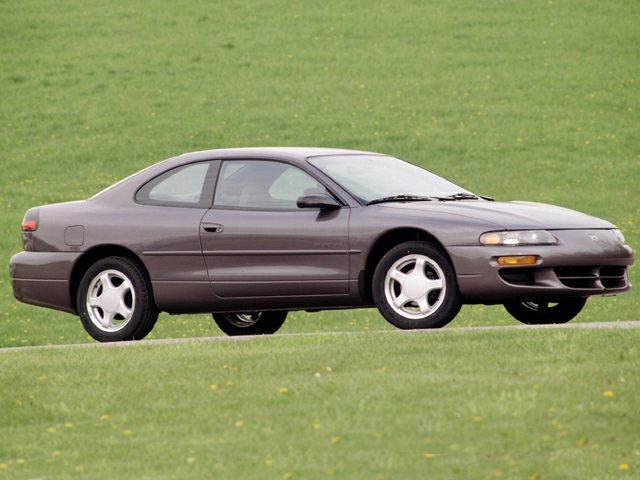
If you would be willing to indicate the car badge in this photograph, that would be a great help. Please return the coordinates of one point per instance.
(594, 238)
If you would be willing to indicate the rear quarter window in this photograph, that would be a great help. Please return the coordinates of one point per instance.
(186, 186)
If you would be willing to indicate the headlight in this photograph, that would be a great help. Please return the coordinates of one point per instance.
(517, 238)
(619, 235)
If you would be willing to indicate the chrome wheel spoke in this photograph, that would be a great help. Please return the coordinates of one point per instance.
(107, 319)
(434, 284)
(398, 275)
(124, 311)
(419, 267)
(400, 300)
(94, 302)
(105, 281)
(122, 289)
(423, 304)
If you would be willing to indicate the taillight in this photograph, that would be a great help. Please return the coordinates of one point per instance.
(30, 222)
(29, 226)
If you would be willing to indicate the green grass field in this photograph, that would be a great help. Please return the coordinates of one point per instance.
(548, 404)
(531, 100)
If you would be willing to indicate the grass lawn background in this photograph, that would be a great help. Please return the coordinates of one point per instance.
(518, 100)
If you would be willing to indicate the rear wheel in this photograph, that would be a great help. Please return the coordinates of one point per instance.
(545, 312)
(115, 301)
(250, 323)
(414, 287)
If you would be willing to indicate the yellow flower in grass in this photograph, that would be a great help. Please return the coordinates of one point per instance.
(335, 439)
(191, 460)
(283, 390)
(127, 433)
(20, 461)
(52, 429)
(623, 466)
(56, 454)
(608, 394)
(477, 418)
(239, 424)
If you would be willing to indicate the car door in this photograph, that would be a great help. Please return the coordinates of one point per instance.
(164, 228)
(257, 243)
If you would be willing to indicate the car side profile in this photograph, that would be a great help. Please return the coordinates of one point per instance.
(250, 234)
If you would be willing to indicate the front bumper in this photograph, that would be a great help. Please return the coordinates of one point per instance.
(583, 263)
(42, 278)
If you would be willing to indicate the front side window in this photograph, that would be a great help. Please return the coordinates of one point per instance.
(187, 186)
(263, 185)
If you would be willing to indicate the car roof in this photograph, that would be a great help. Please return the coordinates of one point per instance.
(269, 153)
(290, 154)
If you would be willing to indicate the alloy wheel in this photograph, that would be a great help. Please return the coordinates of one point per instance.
(110, 300)
(415, 286)
(244, 320)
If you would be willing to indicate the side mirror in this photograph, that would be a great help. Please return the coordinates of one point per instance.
(317, 200)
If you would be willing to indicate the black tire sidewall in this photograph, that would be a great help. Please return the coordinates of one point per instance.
(447, 310)
(268, 324)
(565, 311)
(144, 312)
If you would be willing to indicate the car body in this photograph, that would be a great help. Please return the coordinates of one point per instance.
(213, 250)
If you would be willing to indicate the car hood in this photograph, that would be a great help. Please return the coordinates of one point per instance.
(509, 215)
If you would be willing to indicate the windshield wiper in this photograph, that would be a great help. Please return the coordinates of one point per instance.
(401, 198)
(462, 196)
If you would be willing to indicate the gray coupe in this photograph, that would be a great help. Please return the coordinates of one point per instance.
(250, 234)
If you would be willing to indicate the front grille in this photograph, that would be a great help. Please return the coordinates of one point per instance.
(597, 278)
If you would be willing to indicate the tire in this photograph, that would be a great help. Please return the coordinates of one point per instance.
(115, 301)
(431, 298)
(539, 312)
(250, 323)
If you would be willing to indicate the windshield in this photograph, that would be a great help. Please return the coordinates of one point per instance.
(371, 177)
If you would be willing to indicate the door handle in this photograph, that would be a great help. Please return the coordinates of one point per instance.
(212, 227)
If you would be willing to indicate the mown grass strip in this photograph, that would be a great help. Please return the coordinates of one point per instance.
(556, 403)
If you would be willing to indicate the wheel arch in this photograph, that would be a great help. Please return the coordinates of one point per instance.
(385, 242)
(92, 255)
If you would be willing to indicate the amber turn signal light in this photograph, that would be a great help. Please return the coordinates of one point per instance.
(518, 260)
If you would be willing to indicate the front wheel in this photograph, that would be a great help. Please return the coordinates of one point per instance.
(414, 287)
(545, 312)
(250, 323)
